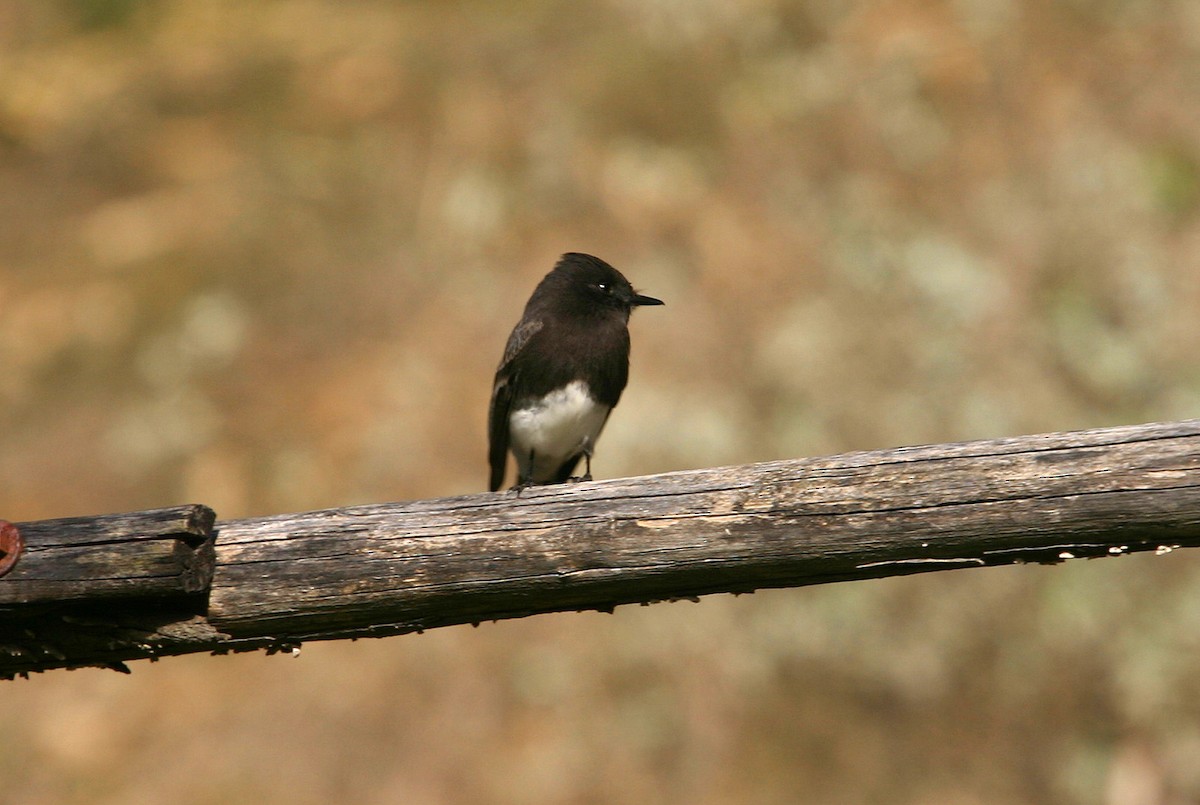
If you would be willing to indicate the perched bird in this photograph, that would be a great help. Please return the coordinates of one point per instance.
(563, 371)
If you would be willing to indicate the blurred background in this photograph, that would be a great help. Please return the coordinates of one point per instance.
(265, 255)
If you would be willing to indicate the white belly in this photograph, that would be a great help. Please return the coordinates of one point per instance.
(563, 424)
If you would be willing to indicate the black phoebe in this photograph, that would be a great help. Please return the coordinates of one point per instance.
(563, 371)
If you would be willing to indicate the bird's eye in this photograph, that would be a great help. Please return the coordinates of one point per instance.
(602, 286)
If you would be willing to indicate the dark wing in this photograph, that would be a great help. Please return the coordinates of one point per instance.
(502, 398)
(498, 431)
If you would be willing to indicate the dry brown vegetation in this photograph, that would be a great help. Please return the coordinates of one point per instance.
(264, 256)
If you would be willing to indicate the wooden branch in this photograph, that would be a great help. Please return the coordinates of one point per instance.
(388, 569)
(93, 590)
(162, 553)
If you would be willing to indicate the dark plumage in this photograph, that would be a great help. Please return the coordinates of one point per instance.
(563, 371)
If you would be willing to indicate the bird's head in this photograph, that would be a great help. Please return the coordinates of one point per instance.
(597, 285)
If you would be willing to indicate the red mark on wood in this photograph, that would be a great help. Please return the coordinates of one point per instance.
(11, 544)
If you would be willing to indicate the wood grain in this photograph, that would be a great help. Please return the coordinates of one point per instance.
(154, 554)
(102, 591)
(408, 566)
(107, 589)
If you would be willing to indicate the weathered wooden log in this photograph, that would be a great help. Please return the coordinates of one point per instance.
(411, 566)
(395, 568)
(157, 554)
(96, 590)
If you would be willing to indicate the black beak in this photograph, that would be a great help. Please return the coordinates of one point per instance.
(638, 299)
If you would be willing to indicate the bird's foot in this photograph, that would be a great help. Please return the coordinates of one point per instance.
(521, 486)
(587, 465)
(574, 479)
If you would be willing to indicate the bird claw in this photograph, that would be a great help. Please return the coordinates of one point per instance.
(520, 487)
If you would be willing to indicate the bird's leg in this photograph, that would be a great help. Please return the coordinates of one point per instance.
(587, 463)
(523, 481)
